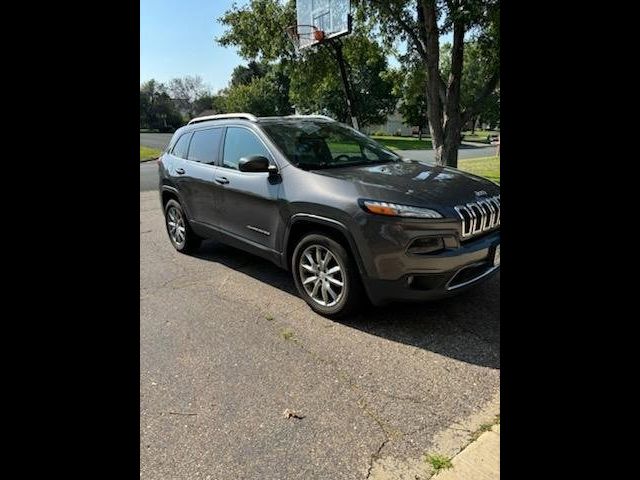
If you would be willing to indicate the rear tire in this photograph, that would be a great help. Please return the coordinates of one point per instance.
(182, 237)
(326, 276)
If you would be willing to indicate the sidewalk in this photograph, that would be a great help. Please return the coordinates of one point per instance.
(480, 460)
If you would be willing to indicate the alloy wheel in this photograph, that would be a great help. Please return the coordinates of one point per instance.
(321, 275)
(176, 225)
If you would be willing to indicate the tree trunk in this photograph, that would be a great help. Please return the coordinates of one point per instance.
(453, 116)
(427, 11)
(473, 125)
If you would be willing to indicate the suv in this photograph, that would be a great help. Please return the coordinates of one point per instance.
(348, 217)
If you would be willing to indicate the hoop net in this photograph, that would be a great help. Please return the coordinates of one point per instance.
(304, 35)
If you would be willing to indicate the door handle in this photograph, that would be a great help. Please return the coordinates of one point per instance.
(180, 171)
(221, 180)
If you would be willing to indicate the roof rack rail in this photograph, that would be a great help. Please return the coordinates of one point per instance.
(313, 116)
(246, 116)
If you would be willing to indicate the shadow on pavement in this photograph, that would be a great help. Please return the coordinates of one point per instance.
(465, 327)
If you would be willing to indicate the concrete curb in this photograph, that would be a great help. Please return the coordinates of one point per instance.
(480, 460)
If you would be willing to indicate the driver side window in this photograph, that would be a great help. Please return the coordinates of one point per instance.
(240, 142)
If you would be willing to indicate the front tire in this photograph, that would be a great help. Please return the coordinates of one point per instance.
(326, 276)
(182, 237)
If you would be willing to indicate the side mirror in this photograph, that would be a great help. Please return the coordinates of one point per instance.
(256, 163)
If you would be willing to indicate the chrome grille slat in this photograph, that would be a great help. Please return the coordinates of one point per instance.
(480, 216)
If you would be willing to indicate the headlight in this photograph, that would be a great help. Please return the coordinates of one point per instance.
(395, 210)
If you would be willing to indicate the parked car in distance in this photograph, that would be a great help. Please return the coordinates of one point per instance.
(350, 219)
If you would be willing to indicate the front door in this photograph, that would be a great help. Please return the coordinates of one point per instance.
(247, 201)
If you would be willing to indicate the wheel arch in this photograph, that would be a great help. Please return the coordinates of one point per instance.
(302, 223)
(167, 192)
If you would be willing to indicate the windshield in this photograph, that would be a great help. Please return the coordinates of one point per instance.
(312, 145)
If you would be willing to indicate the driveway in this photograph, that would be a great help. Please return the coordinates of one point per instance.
(226, 345)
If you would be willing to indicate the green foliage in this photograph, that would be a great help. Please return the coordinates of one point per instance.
(157, 110)
(488, 167)
(421, 25)
(477, 68)
(203, 103)
(410, 87)
(258, 29)
(264, 92)
(439, 462)
(243, 75)
(316, 85)
(403, 143)
(147, 153)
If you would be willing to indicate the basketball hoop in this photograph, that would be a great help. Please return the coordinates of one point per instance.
(305, 35)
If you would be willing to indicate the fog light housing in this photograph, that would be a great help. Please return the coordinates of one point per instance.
(424, 245)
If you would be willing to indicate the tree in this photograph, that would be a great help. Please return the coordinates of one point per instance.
(315, 79)
(476, 73)
(316, 85)
(421, 23)
(263, 95)
(186, 92)
(243, 75)
(410, 88)
(157, 111)
(258, 29)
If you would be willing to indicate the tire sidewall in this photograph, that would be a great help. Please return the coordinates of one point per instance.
(343, 259)
(172, 203)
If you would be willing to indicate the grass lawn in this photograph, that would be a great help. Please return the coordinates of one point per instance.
(479, 135)
(147, 153)
(403, 143)
(488, 167)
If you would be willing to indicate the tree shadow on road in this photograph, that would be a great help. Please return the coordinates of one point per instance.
(465, 327)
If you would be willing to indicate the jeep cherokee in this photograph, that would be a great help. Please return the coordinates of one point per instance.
(347, 216)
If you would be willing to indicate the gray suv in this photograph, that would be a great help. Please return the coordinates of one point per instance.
(348, 217)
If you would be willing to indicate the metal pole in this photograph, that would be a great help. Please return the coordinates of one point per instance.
(337, 45)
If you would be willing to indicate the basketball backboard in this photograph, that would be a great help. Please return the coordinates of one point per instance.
(332, 17)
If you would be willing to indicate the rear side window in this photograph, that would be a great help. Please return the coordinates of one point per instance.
(238, 143)
(181, 146)
(204, 146)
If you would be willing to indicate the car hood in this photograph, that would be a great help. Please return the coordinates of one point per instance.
(414, 182)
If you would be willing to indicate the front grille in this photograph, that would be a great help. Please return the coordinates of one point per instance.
(479, 216)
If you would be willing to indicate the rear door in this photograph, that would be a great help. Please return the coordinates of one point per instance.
(196, 178)
(177, 168)
(247, 201)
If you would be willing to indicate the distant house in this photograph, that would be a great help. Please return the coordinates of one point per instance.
(393, 126)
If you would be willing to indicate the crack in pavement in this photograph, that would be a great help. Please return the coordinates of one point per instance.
(374, 457)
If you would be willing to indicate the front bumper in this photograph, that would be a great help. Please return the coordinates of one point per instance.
(440, 275)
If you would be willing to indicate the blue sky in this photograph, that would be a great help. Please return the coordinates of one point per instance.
(177, 39)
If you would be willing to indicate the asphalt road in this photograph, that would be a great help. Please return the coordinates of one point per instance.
(377, 391)
(149, 170)
(155, 140)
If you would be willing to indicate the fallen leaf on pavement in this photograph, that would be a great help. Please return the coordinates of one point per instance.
(292, 413)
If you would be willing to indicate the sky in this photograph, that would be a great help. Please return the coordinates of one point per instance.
(177, 39)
